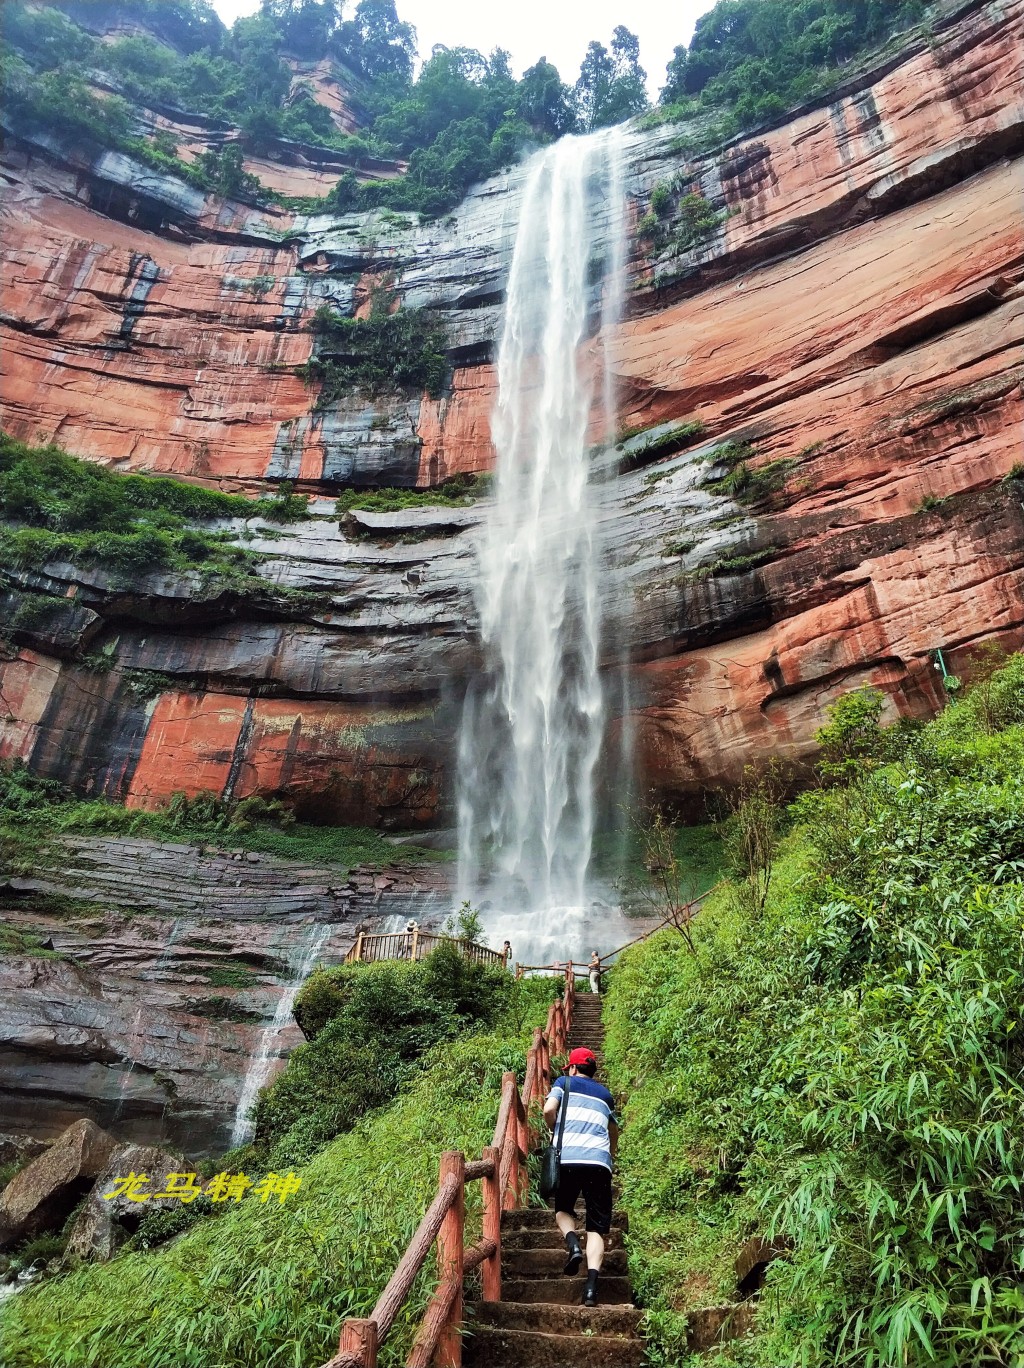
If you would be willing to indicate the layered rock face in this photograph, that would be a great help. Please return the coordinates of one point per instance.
(855, 313)
(167, 964)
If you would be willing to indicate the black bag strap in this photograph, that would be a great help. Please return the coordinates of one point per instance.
(565, 1107)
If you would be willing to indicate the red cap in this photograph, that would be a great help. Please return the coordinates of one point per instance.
(582, 1056)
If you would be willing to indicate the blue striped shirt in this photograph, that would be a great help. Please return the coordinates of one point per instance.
(591, 1109)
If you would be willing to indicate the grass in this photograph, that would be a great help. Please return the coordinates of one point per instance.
(667, 443)
(390, 352)
(269, 1285)
(15, 940)
(744, 482)
(458, 492)
(840, 1065)
(731, 565)
(56, 507)
(697, 848)
(34, 811)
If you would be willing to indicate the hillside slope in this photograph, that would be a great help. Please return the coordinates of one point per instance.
(822, 1091)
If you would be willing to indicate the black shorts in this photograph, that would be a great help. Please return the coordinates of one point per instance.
(595, 1183)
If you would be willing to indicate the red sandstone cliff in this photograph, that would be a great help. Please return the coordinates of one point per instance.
(858, 313)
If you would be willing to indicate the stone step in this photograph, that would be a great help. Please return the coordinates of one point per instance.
(536, 1237)
(711, 1325)
(547, 1263)
(492, 1348)
(542, 1217)
(612, 1290)
(552, 1319)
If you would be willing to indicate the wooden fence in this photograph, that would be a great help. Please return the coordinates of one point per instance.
(414, 945)
(501, 1169)
(681, 916)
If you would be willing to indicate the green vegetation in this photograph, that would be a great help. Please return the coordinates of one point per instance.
(674, 205)
(368, 1027)
(695, 854)
(746, 483)
(464, 116)
(271, 1283)
(930, 503)
(55, 506)
(32, 810)
(835, 1057)
(731, 565)
(697, 220)
(16, 940)
(751, 60)
(461, 119)
(400, 350)
(458, 492)
(666, 443)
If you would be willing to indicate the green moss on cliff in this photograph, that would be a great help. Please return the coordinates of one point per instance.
(389, 351)
(34, 811)
(55, 507)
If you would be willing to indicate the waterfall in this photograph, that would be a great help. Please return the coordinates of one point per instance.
(262, 1062)
(533, 721)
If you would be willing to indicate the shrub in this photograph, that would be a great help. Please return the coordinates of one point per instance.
(697, 221)
(404, 350)
(57, 507)
(367, 1025)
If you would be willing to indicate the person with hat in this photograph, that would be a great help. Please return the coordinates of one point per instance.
(589, 1141)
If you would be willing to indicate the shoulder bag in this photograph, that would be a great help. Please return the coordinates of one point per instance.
(551, 1159)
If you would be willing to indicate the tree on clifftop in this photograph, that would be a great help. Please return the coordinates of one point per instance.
(611, 84)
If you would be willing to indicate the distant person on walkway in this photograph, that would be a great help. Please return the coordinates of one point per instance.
(506, 950)
(588, 1149)
(595, 972)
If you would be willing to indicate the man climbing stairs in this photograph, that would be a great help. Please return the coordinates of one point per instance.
(540, 1321)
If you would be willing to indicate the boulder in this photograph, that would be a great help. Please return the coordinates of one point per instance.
(20, 1149)
(43, 1194)
(104, 1223)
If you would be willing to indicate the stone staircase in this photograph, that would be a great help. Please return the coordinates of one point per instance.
(540, 1321)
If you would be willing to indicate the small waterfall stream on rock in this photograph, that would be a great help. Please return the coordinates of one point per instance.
(534, 719)
(137, 1030)
(262, 1062)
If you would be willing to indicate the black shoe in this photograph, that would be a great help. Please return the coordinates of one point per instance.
(572, 1266)
(590, 1291)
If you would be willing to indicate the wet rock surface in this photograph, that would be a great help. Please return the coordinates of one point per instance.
(170, 960)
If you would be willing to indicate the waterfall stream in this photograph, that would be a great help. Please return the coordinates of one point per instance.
(261, 1062)
(534, 719)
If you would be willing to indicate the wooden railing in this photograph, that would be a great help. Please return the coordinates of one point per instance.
(681, 915)
(414, 945)
(501, 1169)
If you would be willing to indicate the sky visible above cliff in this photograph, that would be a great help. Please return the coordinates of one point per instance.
(557, 29)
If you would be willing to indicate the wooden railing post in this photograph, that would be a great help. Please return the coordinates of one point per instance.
(359, 1338)
(450, 1255)
(490, 1269)
(415, 944)
(359, 947)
